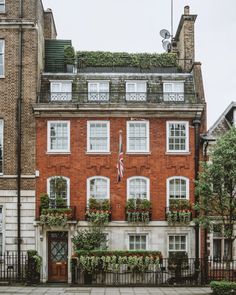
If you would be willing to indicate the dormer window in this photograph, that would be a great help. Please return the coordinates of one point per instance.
(136, 90)
(173, 91)
(61, 90)
(98, 91)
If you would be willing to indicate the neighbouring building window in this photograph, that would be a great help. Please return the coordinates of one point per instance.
(2, 49)
(98, 188)
(2, 6)
(1, 146)
(61, 90)
(173, 91)
(138, 136)
(222, 246)
(136, 91)
(58, 136)
(137, 242)
(178, 188)
(138, 188)
(98, 136)
(58, 188)
(98, 91)
(177, 137)
(1, 232)
(177, 243)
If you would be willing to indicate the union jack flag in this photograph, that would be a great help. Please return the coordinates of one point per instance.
(120, 163)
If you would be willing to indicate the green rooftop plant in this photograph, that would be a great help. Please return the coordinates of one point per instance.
(69, 55)
(124, 59)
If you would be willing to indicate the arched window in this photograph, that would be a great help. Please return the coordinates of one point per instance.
(177, 188)
(98, 187)
(58, 188)
(138, 188)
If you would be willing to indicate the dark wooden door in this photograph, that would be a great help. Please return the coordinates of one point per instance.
(57, 256)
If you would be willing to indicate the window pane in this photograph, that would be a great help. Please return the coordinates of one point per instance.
(177, 137)
(1, 54)
(177, 188)
(59, 137)
(138, 137)
(99, 188)
(217, 254)
(98, 140)
(58, 189)
(177, 243)
(98, 91)
(138, 188)
(137, 242)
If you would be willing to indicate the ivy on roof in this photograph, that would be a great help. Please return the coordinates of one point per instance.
(124, 59)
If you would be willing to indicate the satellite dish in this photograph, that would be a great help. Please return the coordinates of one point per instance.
(165, 34)
(166, 45)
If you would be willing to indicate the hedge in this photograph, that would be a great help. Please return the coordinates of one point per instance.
(99, 253)
(223, 287)
(124, 59)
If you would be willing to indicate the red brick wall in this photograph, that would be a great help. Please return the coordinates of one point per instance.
(79, 166)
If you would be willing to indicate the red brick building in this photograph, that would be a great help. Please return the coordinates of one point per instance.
(160, 109)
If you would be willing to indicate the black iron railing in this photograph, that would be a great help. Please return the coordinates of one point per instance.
(117, 97)
(190, 273)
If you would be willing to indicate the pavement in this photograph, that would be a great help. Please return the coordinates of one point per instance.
(103, 291)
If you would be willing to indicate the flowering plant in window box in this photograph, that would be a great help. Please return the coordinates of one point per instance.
(98, 212)
(56, 216)
(138, 210)
(179, 212)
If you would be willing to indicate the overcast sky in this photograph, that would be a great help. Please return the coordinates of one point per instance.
(134, 25)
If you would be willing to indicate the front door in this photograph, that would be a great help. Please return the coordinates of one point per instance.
(57, 256)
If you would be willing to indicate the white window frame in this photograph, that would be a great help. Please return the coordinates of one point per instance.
(173, 95)
(148, 137)
(98, 95)
(136, 95)
(142, 178)
(168, 188)
(177, 235)
(98, 177)
(2, 142)
(222, 240)
(49, 150)
(61, 95)
(2, 53)
(68, 186)
(168, 123)
(2, 6)
(138, 234)
(107, 150)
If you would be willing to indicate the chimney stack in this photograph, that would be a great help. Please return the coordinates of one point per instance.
(186, 10)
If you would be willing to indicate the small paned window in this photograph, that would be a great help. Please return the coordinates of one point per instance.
(136, 91)
(61, 90)
(98, 91)
(98, 133)
(178, 188)
(137, 136)
(138, 188)
(173, 91)
(58, 136)
(98, 188)
(177, 137)
(2, 6)
(177, 243)
(58, 189)
(137, 242)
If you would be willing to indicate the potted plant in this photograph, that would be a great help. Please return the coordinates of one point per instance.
(179, 212)
(138, 210)
(69, 57)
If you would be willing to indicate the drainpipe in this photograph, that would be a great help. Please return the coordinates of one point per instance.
(19, 105)
(196, 123)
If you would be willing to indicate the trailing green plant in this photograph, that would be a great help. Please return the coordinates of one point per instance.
(124, 59)
(178, 261)
(89, 239)
(223, 287)
(138, 210)
(44, 201)
(61, 202)
(69, 55)
(180, 204)
(178, 217)
(134, 261)
(55, 216)
(98, 212)
(33, 254)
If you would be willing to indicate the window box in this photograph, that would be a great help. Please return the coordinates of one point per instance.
(179, 212)
(138, 210)
(98, 212)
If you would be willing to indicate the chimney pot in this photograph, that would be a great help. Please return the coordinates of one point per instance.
(186, 10)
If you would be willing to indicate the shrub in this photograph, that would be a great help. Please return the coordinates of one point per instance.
(44, 201)
(223, 287)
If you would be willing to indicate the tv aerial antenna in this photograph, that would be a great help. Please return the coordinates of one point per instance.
(166, 35)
